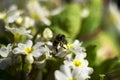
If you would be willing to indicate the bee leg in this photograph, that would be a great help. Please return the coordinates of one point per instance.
(63, 46)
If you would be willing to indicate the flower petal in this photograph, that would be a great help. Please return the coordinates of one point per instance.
(29, 43)
(66, 69)
(59, 75)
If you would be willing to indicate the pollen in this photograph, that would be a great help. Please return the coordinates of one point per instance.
(72, 79)
(77, 63)
(19, 20)
(68, 46)
(29, 50)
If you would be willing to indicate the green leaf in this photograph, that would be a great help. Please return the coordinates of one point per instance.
(114, 72)
(92, 22)
(69, 20)
(103, 68)
(91, 54)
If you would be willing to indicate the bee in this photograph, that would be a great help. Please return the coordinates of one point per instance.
(59, 40)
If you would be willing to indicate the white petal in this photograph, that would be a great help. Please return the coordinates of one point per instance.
(46, 21)
(68, 63)
(36, 53)
(77, 43)
(90, 70)
(66, 70)
(80, 55)
(3, 52)
(21, 46)
(9, 47)
(59, 75)
(17, 51)
(38, 45)
(85, 63)
(80, 74)
(29, 43)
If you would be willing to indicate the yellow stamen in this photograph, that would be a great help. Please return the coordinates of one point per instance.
(28, 50)
(68, 46)
(72, 79)
(77, 63)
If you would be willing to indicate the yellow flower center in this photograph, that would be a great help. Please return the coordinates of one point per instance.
(3, 15)
(28, 50)
(19, 20)
(77, 63)
(68, 46)
(35, 16)
(72, 79)
(16, 35)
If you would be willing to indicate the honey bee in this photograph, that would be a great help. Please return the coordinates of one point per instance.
(59, 40)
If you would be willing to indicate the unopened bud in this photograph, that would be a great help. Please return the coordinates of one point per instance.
(29, 59)
(47, 34)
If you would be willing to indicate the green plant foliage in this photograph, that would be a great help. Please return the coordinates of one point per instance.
(91, 52)
(69, 20)
(93, 21)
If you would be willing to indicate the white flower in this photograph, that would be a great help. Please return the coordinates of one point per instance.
(13, 14)
(38, 12)
(114, 15)
(77, 48)
(4, 51)
(70, 49)
(76, 69)
(83, 73)
(28, 22)
(77, 62)
(19, 31)
(28, 48)
(65, 73)
(46, 49)
(74, 59)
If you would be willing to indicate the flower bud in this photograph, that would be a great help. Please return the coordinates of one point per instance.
(29, 59)
(47, 34)
(27, 68)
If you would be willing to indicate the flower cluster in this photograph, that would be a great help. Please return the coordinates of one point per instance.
(75, 65)
(30, 53)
